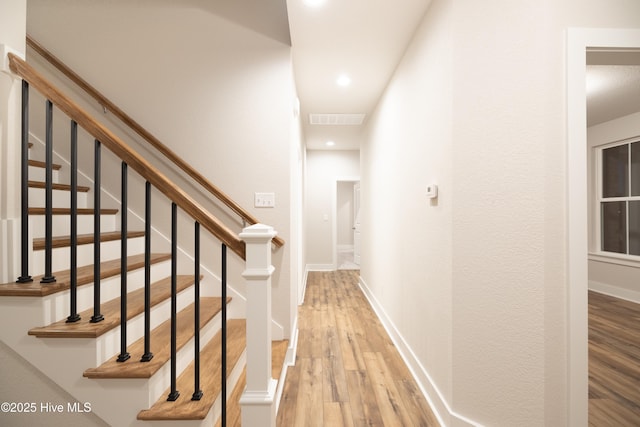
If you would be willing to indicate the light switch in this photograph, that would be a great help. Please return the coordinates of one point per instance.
(265, 200)
(432, 191)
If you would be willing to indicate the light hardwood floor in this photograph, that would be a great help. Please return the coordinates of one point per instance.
(347, 372)
(614, 362)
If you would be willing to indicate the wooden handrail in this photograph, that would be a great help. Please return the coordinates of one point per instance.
(126, 154)
(146, 135)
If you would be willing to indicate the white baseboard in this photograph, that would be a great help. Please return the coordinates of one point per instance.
(615, 291)
(289, 360)
(320, 267)
(303, 284)
(441, 408)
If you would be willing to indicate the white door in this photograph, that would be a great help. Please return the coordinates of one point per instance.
(356, 223)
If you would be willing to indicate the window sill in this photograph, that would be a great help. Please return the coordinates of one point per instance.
(627, 260)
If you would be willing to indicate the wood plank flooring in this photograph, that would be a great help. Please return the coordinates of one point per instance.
(347, 372)
(614, 361)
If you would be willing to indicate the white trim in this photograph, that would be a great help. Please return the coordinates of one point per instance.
(289, 360)
(305, 276)
(427, 386)
(615, 291)
(598, 198)
(319, 267)
(619, 259)
(578, 41)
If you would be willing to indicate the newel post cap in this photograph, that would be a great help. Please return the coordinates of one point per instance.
(258, 233)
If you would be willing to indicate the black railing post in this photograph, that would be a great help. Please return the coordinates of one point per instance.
(124, 355)
(97, 316)
(223, 343)
(73, 285)
(24, 189)
(174, 394)
(147, 356)
(197, 393)
(48, 216)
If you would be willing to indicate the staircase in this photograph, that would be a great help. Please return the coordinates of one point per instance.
(123, 368)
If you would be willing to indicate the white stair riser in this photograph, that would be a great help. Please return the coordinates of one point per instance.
(56, 307)
(108, 250)
(109, 343)
(62, 224)
(40, 174)
(233, 378)
(161, 381)
(60, 198)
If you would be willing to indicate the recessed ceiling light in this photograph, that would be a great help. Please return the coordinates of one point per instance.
(343, 80)
(330, 143)
(314, 3)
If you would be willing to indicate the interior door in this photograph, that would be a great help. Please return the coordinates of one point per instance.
(356, 223)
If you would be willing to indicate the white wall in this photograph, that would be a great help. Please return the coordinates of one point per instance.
(475, 285)
(21, 382)
(323, 169)
(610, 275)
(218, 94)
(406, 238)
(12, 30)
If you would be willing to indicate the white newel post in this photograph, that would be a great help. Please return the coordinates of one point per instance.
(13, 18)
(258, 400)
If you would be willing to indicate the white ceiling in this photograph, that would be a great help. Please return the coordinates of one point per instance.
(364, 39)
(613, 85)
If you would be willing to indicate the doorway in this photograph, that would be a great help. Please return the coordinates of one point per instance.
(347, 224)
(579, 41)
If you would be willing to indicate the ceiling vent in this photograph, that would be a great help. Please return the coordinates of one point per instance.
(336, 119)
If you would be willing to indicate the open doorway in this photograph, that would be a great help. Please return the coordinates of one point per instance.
(579, 42)
(347, 225)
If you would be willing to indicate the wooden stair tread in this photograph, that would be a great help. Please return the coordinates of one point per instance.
(56, 186)
(278, 353)
(39, 164)
(160, 344)
(84, 239)
(85, 276)
(186, 409)
(67, 211)
(160, 291)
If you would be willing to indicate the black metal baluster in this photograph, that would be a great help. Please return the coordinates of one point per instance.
(147, 356)
(223, 344)
(48, 216)
(197, 393)
(73, 285)
(124, 355)
(173, 395)
(24, 189)
(97, 317)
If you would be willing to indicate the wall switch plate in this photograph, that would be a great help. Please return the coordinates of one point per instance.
(265, 200)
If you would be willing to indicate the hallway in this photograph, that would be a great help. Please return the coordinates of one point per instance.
(347, 372)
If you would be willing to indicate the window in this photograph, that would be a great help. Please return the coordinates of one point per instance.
(619, 198)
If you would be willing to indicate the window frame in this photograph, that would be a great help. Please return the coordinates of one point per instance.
(599, 200)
